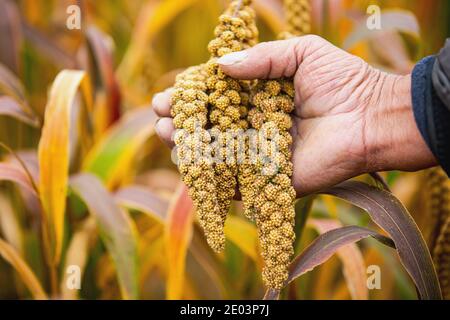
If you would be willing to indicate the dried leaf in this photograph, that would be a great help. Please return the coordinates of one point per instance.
(107, 109)
(47, 47)
(380, 180)
(352, 260)
(12, 37)
(26, 274)
(10, 85)
(141, 199)
(12, 108)
(13, 173)
(323, 248)
(389, 213)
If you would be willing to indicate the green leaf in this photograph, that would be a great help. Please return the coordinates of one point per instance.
(112, 156)
(117, 230)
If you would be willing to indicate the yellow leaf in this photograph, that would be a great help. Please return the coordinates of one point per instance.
(153, 18)
(244, 235)
(28, 277)
(53, 153)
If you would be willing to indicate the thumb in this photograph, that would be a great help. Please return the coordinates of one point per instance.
(273, 59)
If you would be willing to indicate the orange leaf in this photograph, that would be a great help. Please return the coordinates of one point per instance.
(178, 235)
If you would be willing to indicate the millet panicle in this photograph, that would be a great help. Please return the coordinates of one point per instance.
(190, 111)
(439, 207)
(298, 16)
(228, 99)
(272, 194)
(266, 187)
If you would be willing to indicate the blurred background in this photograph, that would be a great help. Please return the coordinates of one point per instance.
(124, 227)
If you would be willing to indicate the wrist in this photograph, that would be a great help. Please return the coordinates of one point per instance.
(393, 139)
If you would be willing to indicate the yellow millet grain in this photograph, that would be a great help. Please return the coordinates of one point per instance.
(190, 109)
(229, 98)
(270, 198)
(441, 258)
(298, 16)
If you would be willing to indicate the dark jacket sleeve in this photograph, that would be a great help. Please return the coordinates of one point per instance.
(431, 103)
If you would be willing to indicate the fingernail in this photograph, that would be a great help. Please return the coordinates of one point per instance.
(232, 58)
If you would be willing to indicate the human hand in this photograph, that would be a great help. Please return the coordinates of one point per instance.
(349, 119)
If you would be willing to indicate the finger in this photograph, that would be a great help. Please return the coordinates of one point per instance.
(165, 130)
(161, 103)
(273, 59)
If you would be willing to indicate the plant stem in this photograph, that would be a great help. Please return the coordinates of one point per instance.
(51, 264)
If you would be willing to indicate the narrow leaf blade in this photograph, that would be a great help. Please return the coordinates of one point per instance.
(141, 199)
(26, 274)
(323, 248)
(12, 108)
(354, 268)
(117, 230)
(178, 235)
(13, 173)
(53, 153)
(244, 235)
(389, 213)
(110, 158)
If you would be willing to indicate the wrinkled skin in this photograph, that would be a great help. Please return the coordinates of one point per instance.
(349, 119)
